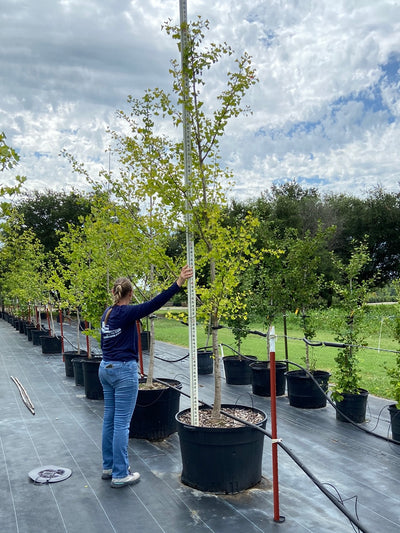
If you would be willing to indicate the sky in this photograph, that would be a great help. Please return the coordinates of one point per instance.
(325, 112)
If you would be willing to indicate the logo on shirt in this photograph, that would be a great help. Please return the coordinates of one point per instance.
(109, 333)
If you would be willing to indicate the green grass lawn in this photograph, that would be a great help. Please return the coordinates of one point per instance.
(377, 325)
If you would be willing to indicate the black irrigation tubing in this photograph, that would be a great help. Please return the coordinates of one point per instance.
(366, 430)
(315, 343)
(320, 485)
(171, 360)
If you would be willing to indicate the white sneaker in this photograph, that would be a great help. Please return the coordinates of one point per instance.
(130, 479)
(107, 474)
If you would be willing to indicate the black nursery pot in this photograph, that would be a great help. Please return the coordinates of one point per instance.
(395, 421)
(353, 406)
(29, 332)
(36, 336)
(205, 361)
(68, 357)
(303, 392)
(93, 387)
(50, 344)
(154, 414)
(28, 326)
(261, 378)
(77, 364)
(237, 369)
(221, 460)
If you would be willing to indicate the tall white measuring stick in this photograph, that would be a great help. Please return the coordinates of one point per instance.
(187, 146)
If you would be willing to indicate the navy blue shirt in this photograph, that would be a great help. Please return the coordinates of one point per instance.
(119, 339)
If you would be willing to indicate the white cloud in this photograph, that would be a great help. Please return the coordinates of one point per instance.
(326, 109)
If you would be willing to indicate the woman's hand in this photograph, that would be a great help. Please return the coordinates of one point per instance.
(186, 273)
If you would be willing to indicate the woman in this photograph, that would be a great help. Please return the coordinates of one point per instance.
(118, 373)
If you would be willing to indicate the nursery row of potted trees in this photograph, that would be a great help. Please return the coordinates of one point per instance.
(151, 200)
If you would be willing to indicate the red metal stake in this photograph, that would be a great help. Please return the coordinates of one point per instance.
(272, 375)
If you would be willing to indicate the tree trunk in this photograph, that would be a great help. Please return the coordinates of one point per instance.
(216, 412)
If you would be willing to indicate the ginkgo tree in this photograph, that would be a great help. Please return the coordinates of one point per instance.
(152, 156)
(91, 255)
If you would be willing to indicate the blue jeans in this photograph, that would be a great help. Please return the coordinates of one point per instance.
(120, 385)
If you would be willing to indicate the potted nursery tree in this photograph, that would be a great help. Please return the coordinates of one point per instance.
(139, 237)
(349, 396)
(222, 252)
(307, 387)
(155, 166)
(66, 281)
(236, 365)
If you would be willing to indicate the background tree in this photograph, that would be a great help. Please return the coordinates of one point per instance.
(47, 213)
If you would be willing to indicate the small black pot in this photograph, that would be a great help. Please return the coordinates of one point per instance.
(303, 392)
(205, 361)
(261, 378)
(237, 369)
(154, 414)
(93, 387)
(395, 421)
(353, 406)
(221, 460)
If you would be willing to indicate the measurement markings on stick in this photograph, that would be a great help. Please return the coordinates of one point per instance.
(187, 146)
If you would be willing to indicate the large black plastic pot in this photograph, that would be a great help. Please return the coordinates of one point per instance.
(77, 364)
(36, 334)
(395, 421)
(50, 344)
(221, 460)
(237, 369)
(69, 367)
(154, 414)
(93, 387)
(205, 361)
(29, 330)
(303, 392)
(261, 382)
(353, 406)
(28, 325)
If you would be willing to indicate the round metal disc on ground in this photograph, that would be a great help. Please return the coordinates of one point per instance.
(49, 474)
